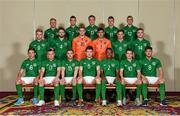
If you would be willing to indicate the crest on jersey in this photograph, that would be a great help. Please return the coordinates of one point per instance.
(54, 65)
(43, 45)
(93, 62)
(73, 64)
(65, 44)
(154, 63)
(34, 64)
(145, 44)
(113, 65)
(125, 45)
(134, 64)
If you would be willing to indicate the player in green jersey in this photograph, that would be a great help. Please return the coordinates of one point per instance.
(89, 73)
(40, 45)
(111, 30)
(69, 72)
(149, 68)
(110, 74)
(51, 33)
(30, 67)
(91, 30)
(140, 44)
(73, 30)
(61, 44)
(130, 30)
(49, 74)
(120, 46)
(130, 73)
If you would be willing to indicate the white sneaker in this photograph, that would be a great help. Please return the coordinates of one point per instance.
(137, 102)
(104, 103)
(56, 103)
(124, 101)
(40, 103)
(119, 103)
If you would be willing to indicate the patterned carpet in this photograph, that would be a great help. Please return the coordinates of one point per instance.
(7, 108)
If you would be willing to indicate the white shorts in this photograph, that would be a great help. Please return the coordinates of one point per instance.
(49, 80)
(130, 80)
(88, 79)
(152, 80)
(68, 80)
(28, 80)
(110, 80)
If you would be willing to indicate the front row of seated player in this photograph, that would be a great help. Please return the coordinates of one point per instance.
(90, 71)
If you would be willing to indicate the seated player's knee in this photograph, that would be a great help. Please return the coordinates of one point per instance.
(79, 80)
(56, 81)
(74, 82)
(144, 80)
(161, 81)
(18, 81)
(41, 82)
(138, 82)
(98, 81)
(35, 82)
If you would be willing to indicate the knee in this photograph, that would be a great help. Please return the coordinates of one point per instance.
(18, 82)
(161, 81)
(98, 81)
(79, 80)
(41, 82)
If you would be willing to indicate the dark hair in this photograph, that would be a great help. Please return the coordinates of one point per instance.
(100, 29)
(91, 16)
(51, 49)
(31, 49)
(89, 48)
(110, 17)
(82, 26)
(148, 48)
(120, 31)
(73, 17)
(140, 29)
(39, 30)
(109, 49)
(61, 28)
(129, 50)
(70, 50)
(52, 19)
(129, 17)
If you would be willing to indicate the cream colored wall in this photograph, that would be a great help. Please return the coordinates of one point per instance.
(156, 16)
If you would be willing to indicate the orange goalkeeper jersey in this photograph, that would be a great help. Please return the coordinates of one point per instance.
(79, 46)
(100, 46)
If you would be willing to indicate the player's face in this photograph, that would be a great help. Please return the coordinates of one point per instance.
(39, 35)
(111, 22)
(130, 20)
(61, 33)
(70, 54)
(120, 35)
(82, 31)
(89, 53)
(72, 21)
(101, 34)
(109, 54)
(53, 24)
(91, 20)
(140, 34)
(148, 52)
(129, 54)
(31, 54)
(50, 55)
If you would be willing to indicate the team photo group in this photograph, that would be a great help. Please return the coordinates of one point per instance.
(90, 55)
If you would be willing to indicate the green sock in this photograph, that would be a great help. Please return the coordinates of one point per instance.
(35, 91)
(144, 90)
(103, 90)
(62, 91)
(124, 91)
(56, 92)
(98, 91)
(19, 90)
(119, 90)
(162, 91)
(138, 91)
(80, 90)
(41, 92)
(74, 92)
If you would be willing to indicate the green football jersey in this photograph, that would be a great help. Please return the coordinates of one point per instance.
(130, 68)
(109, 67)
(61, 47)
(50, 33)
(130, 33)
(70, 67)
(72, 32)
(50, 67)
(149, 67)
(119, 48)
(31, 67)
(41, 48)
(139, 46)
(111, 33)
(89, 66)
(91, 32)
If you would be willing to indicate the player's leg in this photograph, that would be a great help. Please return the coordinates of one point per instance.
(98, 90)
(35, 83)
(162, 92)
(62, 91)
(73, 82)
(56, 91)
(138, 92)
(80, 90)
(145, 91)
(119, 92)
(103, 91)
(19, 92)
(123, 91)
